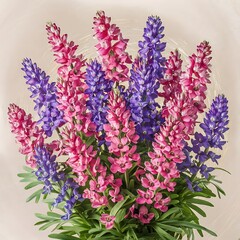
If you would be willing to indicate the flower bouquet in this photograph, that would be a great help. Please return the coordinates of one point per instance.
(118, 151)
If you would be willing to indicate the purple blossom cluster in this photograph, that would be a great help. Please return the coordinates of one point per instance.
(144, 81)
(214, 125)
(70, 191)
(45, 96)
(98, 89)
(47, 168)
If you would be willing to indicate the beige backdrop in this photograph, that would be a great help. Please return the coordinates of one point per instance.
(187, 22)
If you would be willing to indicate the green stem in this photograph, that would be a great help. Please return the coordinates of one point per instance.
(126, 179)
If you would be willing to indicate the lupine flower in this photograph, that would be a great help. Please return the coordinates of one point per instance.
(214, 127)
(98, 89)
(26, 131)
(107, 220)
(111, 48)
(45, 96)
(144, 84)
(171, 80)
(120, 133)
(151, 47)
(194, 80)
(71, 200)
(47, 168)
(71, 87)
(215, 122)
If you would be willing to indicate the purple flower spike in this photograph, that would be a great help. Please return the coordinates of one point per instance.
(98, 89)
(214, 127)
(144, 84)
(75, 196)
(216, 121)
(45, 96)
(151, 47)
(47, 168)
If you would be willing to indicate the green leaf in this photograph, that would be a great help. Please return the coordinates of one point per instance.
(197, 209)
(222, 169)
(94, 230)
(163, 233)
(117, 206)
(32, 184)
(200, 202)
(120, 215)
(44, 217)
(63, 237)
(169, 228)
(190, 225)
(49, 224)
(28, 169)
(36, 195)
(133, 234)
(90, 140)
(175, 201)
(25, 175)
(169, 212)
(54, 215)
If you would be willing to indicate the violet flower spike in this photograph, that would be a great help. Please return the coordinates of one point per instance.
(98, 89)
(214, 126)
(144, 81)
(47, 168)
(44, 94)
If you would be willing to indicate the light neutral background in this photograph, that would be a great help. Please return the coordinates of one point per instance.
(187, 22)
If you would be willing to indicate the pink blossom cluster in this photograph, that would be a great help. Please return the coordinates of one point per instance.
(26, 131)
(71, 87)
(111, 48)
(121, 135)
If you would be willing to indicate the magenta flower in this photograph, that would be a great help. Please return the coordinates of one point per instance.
(145, 197)
(107, 220)
(118, 145)
(115, 194)
(161, 203)
(150, 182)
(121, 164)
(99, 186)
(144, 216)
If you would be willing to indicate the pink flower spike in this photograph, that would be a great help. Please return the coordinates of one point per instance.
(107, 220)
(111, 48)
(26, 131)
(144, 216)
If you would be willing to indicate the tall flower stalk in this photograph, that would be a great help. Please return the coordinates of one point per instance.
(147, 69)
